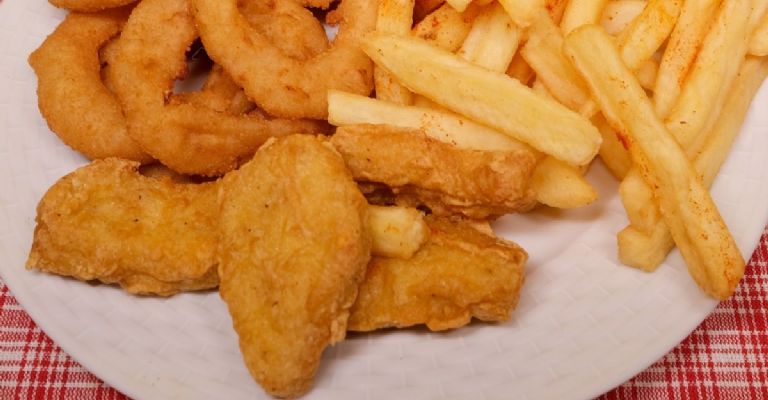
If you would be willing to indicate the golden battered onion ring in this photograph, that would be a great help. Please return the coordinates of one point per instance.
(187, 137)
(72, 98)
(279, 84)
(90, 5)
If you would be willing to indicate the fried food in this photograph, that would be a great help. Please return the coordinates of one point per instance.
(279, 84)
(90, 5)
(458, 274)
(448, 180)
(108, 222)
(294, 30)
(74, 101)
(293, 251)
(185, 136)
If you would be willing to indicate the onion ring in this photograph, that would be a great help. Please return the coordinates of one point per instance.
(184, 136)
(90, 5)
(72, 98)
(279, 84)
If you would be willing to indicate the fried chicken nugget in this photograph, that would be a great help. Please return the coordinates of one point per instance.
(447, 179)
(293, 250)
(107, 222)
(458, 274)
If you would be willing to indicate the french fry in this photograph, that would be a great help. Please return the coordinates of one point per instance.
(646, 73)
(395, 17)
(523, 12)
(640, 40)
(543, 53)
(490, 98)
(446, 28)
(560, 185)
(700, 101)
(556, 8)
(618, 14)
(492, 41)
(352, 109)
(682, 48)
(713, 259)
(613, 153)
(520, 70)
(398, 232)
(758, 45)
(647, 251)
(581, 12)
(459, 5)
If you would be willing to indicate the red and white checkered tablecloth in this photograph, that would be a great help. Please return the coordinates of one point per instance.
(725, 358)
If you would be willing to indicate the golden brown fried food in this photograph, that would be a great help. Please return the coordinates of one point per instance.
(71, 95)
(108, 222)
(458, 274)
(448, 180)
(294, 246)
(89, 5)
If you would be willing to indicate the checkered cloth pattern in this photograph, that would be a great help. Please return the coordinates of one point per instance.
(724, 358)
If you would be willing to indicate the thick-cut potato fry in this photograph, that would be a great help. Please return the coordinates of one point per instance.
(758, 45)
(560, 185)
(556, 8)
(646, 73)
(523, 12)
(459, 274)
(682, 48)
(640, 40)
(543, 53)
(396, 17)
(618, 14)
(612, 151)
(711, 75)
(520, 70)
(401, 231)
(459, 5)
(581, 12)
(352, 109)
(492, 41)
(647, 251)
(709, 250)
(446, 28)
(700, 101)
(491, 98)
(424, 171)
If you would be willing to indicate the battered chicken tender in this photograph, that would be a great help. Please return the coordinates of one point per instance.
(293, 250)
(107, 222)
(460, 273)
(447, 179)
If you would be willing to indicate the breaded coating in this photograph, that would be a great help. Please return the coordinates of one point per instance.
(424, 171)
(293, 250)
(460, 273)
(107, 222)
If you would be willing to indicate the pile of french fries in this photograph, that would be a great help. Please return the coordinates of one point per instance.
(658, 89)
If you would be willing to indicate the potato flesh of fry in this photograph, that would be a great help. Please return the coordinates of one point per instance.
(492, 41)
(647, 251)
(613, 153)
(523, 12)
(459, 5)
(699, 231)
(399, 232)
(560, 185)
(618, 14)
(758, 45)
(683, 45)
(648, 31)
(396, 17)
(352, 109)
(581, 12)
(556, 8)
(490, 98)
(445, 28)
(699, 103)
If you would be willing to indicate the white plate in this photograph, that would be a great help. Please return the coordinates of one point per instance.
(584, 323)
